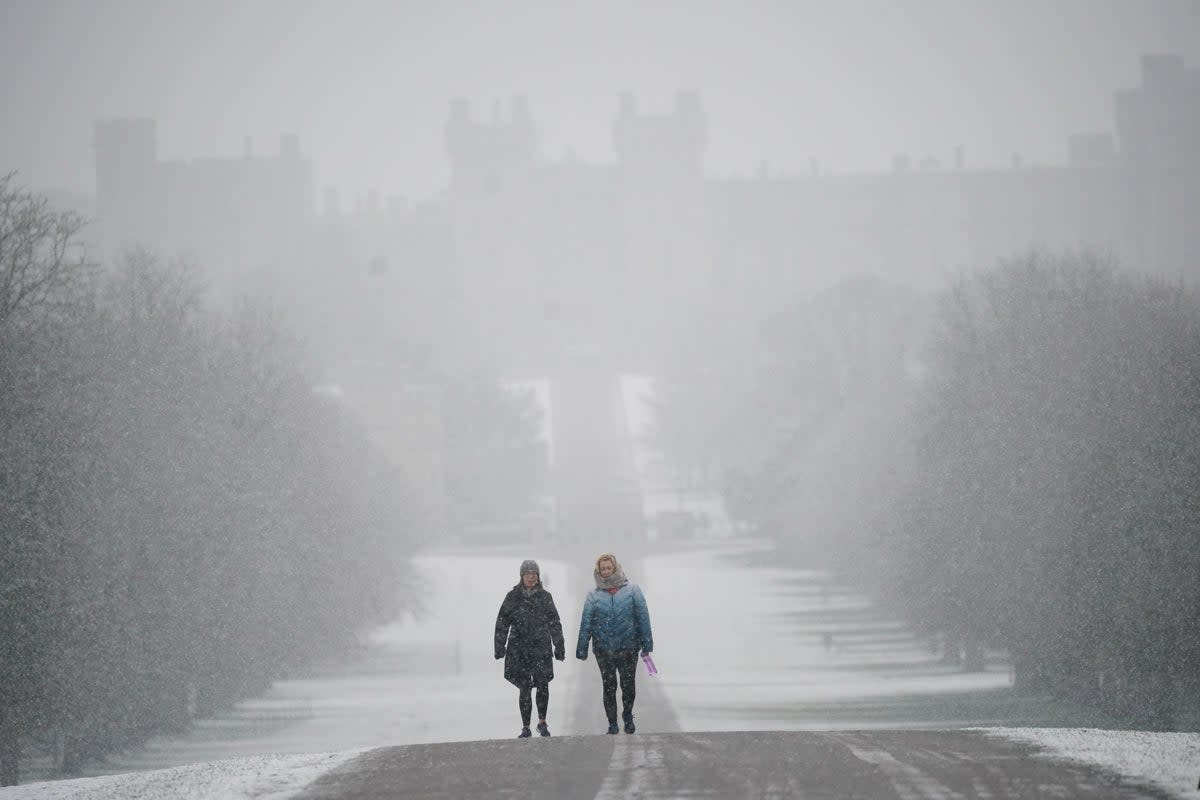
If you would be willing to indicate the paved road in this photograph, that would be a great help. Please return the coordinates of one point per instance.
(883, 764)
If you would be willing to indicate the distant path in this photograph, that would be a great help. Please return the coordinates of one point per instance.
(884, 764)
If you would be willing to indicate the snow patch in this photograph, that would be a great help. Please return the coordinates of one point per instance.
(1167, 760)
(268, 777)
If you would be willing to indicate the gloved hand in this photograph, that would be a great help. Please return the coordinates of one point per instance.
(499, 656)
(560, 656)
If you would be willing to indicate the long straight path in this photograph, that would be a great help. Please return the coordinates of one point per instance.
(883, 765)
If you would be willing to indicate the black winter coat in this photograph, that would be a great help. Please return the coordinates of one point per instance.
(528, 632)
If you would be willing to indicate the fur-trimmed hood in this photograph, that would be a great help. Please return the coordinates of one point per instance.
(614, 581)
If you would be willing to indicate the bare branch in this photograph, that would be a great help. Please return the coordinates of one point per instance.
(42, 263)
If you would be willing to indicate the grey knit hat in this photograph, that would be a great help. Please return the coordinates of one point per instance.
(529, 565)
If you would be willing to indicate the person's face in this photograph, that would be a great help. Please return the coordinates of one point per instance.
(606, 568)
(530, 579)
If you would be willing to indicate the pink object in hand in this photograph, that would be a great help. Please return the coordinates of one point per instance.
(651, 670)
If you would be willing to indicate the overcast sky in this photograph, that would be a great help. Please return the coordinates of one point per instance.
(366, 85)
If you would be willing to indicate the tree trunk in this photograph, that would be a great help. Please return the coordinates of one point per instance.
(1029, 673)
(951, 647)
(10, 750)
(72, 757)
(974, 655)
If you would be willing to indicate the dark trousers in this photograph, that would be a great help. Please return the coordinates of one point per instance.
(525, 701)
(616, 664)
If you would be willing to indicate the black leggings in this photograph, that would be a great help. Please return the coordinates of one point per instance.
(525, 701)
(613, 665)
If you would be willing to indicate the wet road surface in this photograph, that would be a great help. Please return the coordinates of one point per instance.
(878, 764)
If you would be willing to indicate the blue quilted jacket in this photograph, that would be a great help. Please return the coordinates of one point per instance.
(618, 621)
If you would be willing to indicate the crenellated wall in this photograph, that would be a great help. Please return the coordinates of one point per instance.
(527, 261)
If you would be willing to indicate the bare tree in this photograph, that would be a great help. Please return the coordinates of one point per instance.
(41, 256)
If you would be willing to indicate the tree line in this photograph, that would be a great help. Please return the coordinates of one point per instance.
(1056, 504)
(182, 519)
(1013, 462)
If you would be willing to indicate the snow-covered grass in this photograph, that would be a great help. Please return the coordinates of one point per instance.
(1168, 760)
(269, 777)
(744, 649)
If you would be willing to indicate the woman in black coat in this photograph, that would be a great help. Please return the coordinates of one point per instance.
(528, 633)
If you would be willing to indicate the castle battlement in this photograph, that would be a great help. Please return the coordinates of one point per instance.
(473, 144)
(665, 142)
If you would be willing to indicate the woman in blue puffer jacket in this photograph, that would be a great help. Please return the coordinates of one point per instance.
(617, 623)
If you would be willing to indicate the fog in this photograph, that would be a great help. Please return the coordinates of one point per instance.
(366, 84)
(900, 295)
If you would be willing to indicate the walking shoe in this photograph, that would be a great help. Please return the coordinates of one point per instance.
(612, 728)
(629, 726)
(524, 734)
(543, 729)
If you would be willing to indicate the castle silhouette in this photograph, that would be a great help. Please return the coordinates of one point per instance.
(526, 258)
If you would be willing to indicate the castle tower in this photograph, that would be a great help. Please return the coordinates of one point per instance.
(482, 154)
(1158, 130)
(126, 159)
(491, 192)
(665, 258)
(653, 147)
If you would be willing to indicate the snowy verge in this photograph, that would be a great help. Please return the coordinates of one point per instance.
(268, 777)
(1170, 761)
